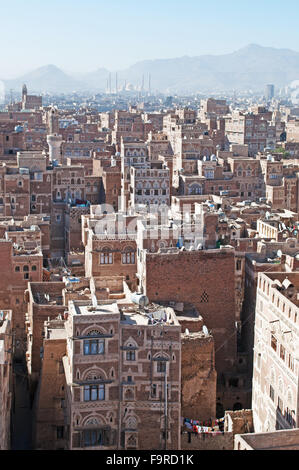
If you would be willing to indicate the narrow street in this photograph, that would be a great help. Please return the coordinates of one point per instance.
(21, 411)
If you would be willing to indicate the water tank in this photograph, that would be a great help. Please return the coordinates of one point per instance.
(139, 299)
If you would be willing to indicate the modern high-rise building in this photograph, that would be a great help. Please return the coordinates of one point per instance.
(269, 92)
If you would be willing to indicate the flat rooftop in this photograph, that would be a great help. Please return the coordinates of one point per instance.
(130, 313)
(287, 439)
(109, 308)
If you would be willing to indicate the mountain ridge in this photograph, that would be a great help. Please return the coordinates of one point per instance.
(250, 67)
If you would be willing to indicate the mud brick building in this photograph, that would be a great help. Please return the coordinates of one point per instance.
(275, 373)
(199, 377)
(149, 186)
(207, 280)
(6, 397)
(118, 367)
(20, 267)
(108, 252)
(44, 301)
(48, 407)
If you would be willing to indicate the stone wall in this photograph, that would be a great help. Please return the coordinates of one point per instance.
(199, 377)
(191, 441)
(207, 280)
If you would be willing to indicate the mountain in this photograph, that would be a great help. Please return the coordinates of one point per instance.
(46, 79)
(251, 67)
(96, 80)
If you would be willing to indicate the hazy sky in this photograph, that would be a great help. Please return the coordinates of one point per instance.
(83, 35)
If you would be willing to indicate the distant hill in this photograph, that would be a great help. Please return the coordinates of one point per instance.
(46, 79)
(251, 67)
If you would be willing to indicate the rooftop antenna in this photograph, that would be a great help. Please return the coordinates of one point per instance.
(142, 86)
(116, 86)
(110, 82)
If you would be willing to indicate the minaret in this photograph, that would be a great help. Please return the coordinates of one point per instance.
(24, 96)
(54, 140)
(24, 91)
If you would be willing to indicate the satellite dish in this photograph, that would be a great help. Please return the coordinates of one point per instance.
(205, 330)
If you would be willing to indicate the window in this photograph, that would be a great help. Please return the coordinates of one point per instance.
(128, 257)
(93, 438)
(291, 362)
(59, 432)
(282, 352)
(17, 269)
(25, 268)
(161, 366)
(130, 356)
(94, 346)
(26, 276)
(280, 404)
(33, 198)
(273, 343)
(153, 390)
(204, 298)
(259, 360)
(94, 392)
(106, 257)
(33, 268)
(271, 393)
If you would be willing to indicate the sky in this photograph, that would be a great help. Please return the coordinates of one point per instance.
(80, 36)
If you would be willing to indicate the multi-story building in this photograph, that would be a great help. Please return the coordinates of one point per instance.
(149, 186)
(253, 129)
(133, 154)
(6, 358)
(276, 368)
(122, 372)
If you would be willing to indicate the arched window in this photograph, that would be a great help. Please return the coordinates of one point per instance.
(106, 256)
(195, 189)
(94, 346)
(131, 442)
(128, 256)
